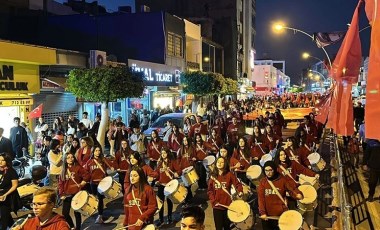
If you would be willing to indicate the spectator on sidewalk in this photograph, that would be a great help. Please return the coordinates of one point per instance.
(371, 160)
(87, 122)
(19, 139)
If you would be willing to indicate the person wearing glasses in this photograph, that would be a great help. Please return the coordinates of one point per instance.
(8, 184)
(84, 152)
(271, 195)
(43, 203)
(193, 218)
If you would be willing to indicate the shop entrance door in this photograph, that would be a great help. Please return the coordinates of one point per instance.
(7, 115)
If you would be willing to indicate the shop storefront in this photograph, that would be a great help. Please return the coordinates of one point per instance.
(19, 80)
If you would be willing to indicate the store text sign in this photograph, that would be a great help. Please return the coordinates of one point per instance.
(156, 74)
(19, 78)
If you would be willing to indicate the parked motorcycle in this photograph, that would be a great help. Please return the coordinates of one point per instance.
(20, 164)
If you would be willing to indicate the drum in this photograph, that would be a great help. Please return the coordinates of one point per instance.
(254, 174)
(27, 189)
(209, 163)
(150, 179)
(290, 220)
(149, 227)
(189, 176)
(239, 212)
(316, 161)
(109, 187)
(175, 191)
(246, 192)
(265, 158)
(309, 202)
(313, 181)
(159, 205)
(84, 203)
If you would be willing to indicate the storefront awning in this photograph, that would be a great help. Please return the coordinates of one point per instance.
(59, 81)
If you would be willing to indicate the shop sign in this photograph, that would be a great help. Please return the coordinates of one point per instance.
(19, 78)
(156, 74)
(16, 102)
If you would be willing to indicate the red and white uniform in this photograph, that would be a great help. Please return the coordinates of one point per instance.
(300, 155)
(147, 203)
(294, 169)
(233, 132)
(215, 143)
(121, 160)
(198, 128)
(97, 169)
(201, 150)
(215, 192)
(83, 156)
(270, 141)
(66, 186)
(245, 161)
(174, 141)
(258, 147)
(154, 149)
(148, 171)
(166, 171)
(185, 157)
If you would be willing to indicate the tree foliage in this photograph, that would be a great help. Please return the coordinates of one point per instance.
(105, 84)
(230, 87)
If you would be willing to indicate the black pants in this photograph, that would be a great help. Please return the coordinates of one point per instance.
(374, 178)
(221, 219)
(94, 191)
(189, 195)
(161, 195)
(201, 171)
(5, 211)
(121, 180)
(270, 224)
(66, 206)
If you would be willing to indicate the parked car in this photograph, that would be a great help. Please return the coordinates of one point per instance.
(160, 123)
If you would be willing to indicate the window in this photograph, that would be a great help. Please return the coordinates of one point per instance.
(175, 45)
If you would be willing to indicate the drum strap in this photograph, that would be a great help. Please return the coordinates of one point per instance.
(258, 144)
(215, 143)
(277, 192)
(294, 156)
(175, 138)
(242, 155)
(72, 178)
(287, 173)
(138, 205)
(201, 149)
(155, 147)
(220, 184)
(99, 166)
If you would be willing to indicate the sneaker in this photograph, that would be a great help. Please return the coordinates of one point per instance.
(370, 199)
(99, 220)
(159, 223)
(169, 220)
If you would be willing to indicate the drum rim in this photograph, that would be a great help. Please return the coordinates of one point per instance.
(88, 197)
(291, 211)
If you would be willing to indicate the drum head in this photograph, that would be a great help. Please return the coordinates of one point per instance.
(188, 169)
(254, 171)
(290, 220)
(149, 227)
(265, 158)
(238, 211)
(209, 160)
(171, 187)
(79, 200)
(105, 184)
(314, 158)
(309, 194)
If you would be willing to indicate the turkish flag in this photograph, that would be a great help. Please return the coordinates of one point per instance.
(36, 113)
(322, 108)
(372, 109)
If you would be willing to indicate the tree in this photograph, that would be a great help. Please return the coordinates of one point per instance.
(105, 84)
(200, 83)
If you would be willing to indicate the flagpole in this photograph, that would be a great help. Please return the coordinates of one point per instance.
(312, 38)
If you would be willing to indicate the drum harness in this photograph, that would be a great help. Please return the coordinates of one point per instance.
(242, 155)
(293, 156)
(287, 173)
(223, 188)
(72, 177)
(277, 192)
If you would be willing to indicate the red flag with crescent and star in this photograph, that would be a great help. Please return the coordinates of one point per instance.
(36, 113)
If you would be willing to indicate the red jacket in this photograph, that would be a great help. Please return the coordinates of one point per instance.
(301, 155)
(197, 128)
(271, 143)
(185, 157)
(148, 172)
(277, 130)
(215, 143)
(68, 186)
(218, 129)
(353, 146)
(217, 195)
(83, 158)
(57, 222)
(244, 163)
(233, 131)
(269, 203)
(201, 151)
(121, 160)
(175, 141)
(295, 169)
(147, 203)
(154, 149)
(163, 178)
(97, 173)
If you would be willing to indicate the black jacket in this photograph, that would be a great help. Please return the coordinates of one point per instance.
(372, 155)
(6, 146)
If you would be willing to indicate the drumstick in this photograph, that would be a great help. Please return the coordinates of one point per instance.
(125, 227)
(271, 218)
(227, 207)
(24, 222)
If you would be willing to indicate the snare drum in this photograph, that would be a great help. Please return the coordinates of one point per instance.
(84, 203)
(316, 161)
(209, 163)
(27, 189)
(189, 176)
(239, 212)
(265, 158)
(254, 174)
(175, 191)
(109, 188)
(149, 227)
(309, 201)
(290, 220)
(313, 181)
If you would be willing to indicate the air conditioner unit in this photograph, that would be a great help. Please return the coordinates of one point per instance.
(97, 58)
(145, 8)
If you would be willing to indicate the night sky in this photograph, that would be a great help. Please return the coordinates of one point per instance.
(307, 15)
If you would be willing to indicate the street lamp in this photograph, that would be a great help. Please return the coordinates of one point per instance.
(279, 27)
(306, 55)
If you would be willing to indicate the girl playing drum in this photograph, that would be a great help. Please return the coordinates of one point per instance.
(297, 153)
(154, 149)
(121, 161)
(243, 155)
(201, 151)
(72, 179)
(257, 142)
(84, 152)
(140, 202)
(97, 166)
(167, 170)
(185, 159)
(175, 140)
(219, 185)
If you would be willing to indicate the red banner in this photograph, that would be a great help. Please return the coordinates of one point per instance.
(36, 113)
